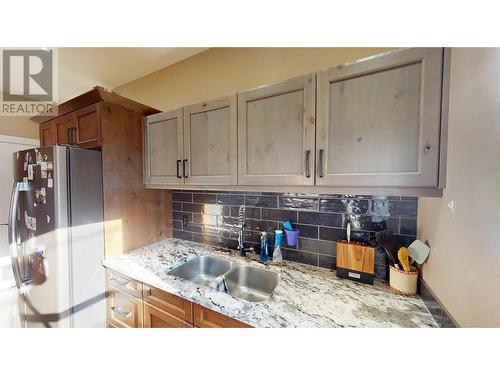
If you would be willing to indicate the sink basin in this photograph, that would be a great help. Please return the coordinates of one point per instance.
(202, 269)
(251, 283)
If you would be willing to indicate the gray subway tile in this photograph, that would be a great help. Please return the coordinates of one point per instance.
(279, 215)
(182, 197)
(261, 201)
(320, 218)
(351, 206)
(204, 198)
(298, 203)
(326, 261)
(230, 199)
(317, 246)
(408, 226)
(403, 208)
(300, 257)
(188, 236)
(192, 207)
(307, 231)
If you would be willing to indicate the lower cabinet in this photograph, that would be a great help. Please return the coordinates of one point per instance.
(206, 318)
(131, 304)
(156, 318)
(124, 310)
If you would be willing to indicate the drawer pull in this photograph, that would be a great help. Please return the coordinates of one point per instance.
(119, 311)
(120, 282)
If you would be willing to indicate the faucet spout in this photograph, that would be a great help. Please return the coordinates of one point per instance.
(241, 234)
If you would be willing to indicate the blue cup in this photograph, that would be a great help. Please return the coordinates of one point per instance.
(291, 236)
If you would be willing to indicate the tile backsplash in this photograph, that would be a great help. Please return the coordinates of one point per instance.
(211, 217)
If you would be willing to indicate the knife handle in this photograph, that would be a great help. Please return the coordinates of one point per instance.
(348, 232)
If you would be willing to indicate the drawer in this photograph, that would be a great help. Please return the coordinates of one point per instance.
(123, 283)
(169, 303)
(110, 324)
(206, 318)
(155, 318)
(123, 310)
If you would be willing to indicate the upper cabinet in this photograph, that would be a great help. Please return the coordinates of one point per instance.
(378, 121)
(163, 147)
(276, 134)
(210, 143)
(376, 126)
(192, 146)
(88, 126)
(80, 128)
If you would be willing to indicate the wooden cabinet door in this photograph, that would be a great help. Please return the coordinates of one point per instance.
(124, 310)
(66, 130)
(276, 128)
(48, 133)
(163, 148)
(206, 318)
(155, 318)
(379, 121)
(172, 304)
(210, 142)
(88, 126)
(124, 284)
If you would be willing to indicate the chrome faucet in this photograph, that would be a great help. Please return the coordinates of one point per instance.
(241, 234)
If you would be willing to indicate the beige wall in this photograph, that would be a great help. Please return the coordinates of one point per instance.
(463, 269)
(18, 126)
(222, 71)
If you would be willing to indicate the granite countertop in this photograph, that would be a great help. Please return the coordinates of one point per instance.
(306, 296)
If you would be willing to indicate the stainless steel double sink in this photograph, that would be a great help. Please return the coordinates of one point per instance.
(242, 281)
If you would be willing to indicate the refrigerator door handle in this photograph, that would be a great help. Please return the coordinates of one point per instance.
(13, 240)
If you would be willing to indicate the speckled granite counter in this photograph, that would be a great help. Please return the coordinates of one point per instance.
(306, 296)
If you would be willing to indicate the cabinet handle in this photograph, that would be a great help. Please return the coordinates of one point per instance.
(178, 168)
(321, 156)
(119, 311)
(184, 168)
(71, 138)
(120, 282)
(70, 135)
(308, 166)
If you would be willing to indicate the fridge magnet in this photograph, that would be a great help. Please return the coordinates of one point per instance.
(39, 157)
(40, 196)
(48, 219)
(27, 160)
(50, 183)
(43, 165)
(49, 165)
(43, 174)
(31, 171)
(29, 221)
(39, 275)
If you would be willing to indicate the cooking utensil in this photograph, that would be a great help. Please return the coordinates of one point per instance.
(391, 258)
(403, 258)
(419, 251)
(348, 232)
(385, 240)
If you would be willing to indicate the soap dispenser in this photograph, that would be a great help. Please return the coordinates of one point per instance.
(264, 251)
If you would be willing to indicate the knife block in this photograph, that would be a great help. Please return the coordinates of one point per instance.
(355, 261)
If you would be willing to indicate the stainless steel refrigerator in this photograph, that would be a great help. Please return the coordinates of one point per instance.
(56, 237)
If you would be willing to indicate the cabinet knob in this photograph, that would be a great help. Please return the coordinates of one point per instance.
(427, 148)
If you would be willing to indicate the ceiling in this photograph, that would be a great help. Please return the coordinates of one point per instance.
(80, 69)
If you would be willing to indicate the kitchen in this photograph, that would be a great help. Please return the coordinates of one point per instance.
(228, 187)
